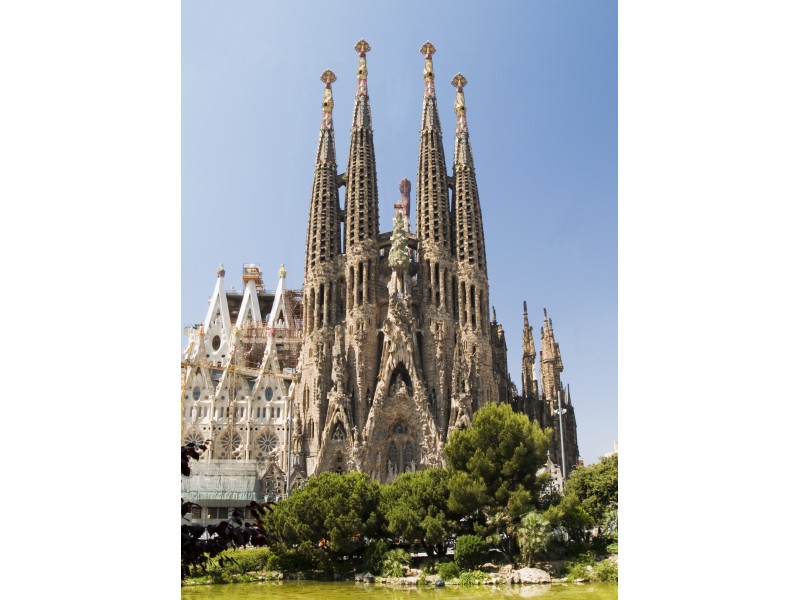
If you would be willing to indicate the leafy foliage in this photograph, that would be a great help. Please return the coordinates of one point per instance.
(415, 507)
(334, 512)
(470, 552)
(534, 535)
(596, 486)
(448, 570)
(395, 563)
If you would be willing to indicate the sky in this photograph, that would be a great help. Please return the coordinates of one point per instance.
(542, 112)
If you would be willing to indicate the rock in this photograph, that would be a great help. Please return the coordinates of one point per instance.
(507, 569)
(530, 575)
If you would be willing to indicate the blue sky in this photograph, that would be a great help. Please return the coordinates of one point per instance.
(542, 113)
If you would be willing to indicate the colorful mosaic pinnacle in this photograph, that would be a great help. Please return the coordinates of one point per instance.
(459, 81)
(428, 50)
(328, 77)
(362, 47)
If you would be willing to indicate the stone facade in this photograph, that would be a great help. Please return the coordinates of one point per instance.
(389, 347)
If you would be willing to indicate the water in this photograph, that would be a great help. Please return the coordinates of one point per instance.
(314, 590)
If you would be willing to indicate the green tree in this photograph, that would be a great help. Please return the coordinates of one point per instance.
(502, 451)
(596, 486)
(415, 507)
(470, 552)
(534, 535)
(570, 516)
(331, 511)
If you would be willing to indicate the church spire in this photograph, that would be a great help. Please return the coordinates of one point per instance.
(470, 248)
(550, 363)
(433, 206)
(323, 241)
(529, 384)
(361, 200)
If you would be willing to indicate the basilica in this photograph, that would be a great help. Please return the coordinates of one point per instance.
(388, 348)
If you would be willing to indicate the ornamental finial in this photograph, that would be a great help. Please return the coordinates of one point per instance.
(428, 50)
(328, 77)
(220, 270)
(282, 272)
(459, 81)
(362, 47)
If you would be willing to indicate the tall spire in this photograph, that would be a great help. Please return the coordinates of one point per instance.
(550, 363)
(470, 247)
(323, 241)
(529, 385)
(433, 206)
(361, 200)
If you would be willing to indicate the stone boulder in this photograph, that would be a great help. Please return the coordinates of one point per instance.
(531, 575)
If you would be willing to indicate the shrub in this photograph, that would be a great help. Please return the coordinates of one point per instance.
(470, 552)
(374, 555)
(395, 563)
(448, 570)
(606, 571)
(428, 566)
(613, 548)
(472, 578)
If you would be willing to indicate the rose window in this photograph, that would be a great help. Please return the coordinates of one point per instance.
(230, 442)
(193, 438)
(267, 443)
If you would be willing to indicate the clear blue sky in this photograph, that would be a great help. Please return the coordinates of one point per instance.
(542, 114)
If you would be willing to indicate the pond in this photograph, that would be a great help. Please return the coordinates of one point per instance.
(315, 590)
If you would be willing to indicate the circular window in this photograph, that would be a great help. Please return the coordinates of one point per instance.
(230, 442)
(269, 394)
(267, 442)
(196, 392)
(216, 342)
(193, 438)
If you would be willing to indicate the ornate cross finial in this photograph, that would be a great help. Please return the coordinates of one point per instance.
(428, 50)
(362, 47)
(327, 78)
(220, 270)
(282, 272)
(459, 81)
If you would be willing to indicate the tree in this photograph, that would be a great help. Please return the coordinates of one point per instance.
(333, 512)
(534, 535)
(494, 481)
(502, 450)
(597, 488)
(415, 507)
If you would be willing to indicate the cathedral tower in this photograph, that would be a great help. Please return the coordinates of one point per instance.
(436, 273)
(473, 280)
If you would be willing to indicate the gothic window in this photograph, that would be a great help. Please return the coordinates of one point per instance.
(216, 342)
(196, 392)
(193, 437)
(338, 433)
(267, 442)
(268, 393)
(230, 442)
(394, 455)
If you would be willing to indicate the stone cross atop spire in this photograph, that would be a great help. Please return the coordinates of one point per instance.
(362, 47)
(327, 78)
(404, 204)
(428, 50)
(459, 81)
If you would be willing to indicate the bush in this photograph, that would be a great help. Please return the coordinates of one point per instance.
(448, 570)
(428, 566)
(613, 548)
(374, 555)
(472, 578)
(470, 552)
(606, 571)
(395, 563)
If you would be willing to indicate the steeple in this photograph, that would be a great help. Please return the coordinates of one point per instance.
(433, 209)
(361, 200)
(550, 362)
(470, 248)
(323, 241)
(530, 387)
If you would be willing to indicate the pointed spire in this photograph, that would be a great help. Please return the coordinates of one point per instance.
(361, 197)
(529, 386)
(433, 203)
(326, 150)
(470, 247)
(362, 116)
(323, 241)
